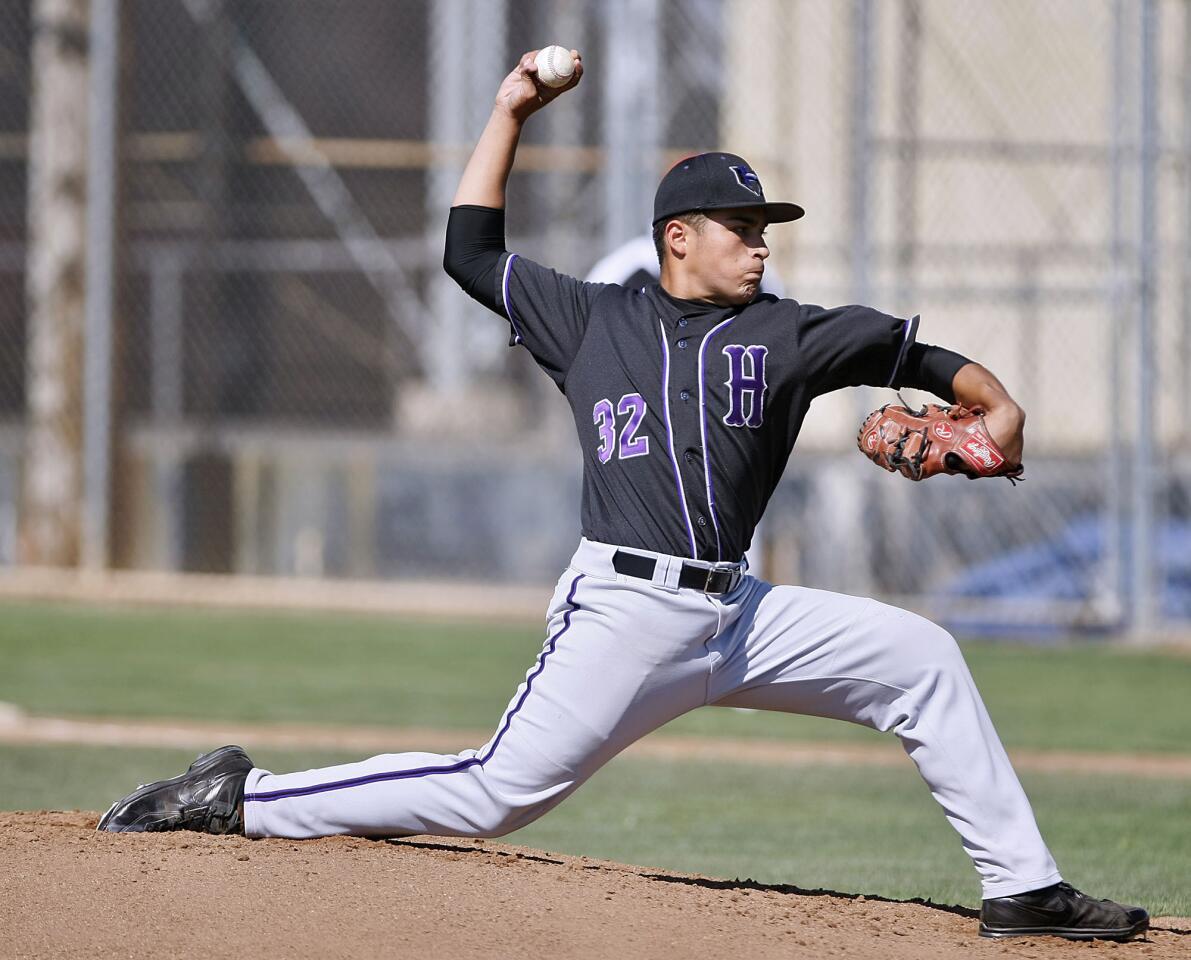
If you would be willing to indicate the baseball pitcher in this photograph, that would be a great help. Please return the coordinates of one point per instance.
(688, 395)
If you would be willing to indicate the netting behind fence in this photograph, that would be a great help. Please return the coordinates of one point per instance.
(300, 389)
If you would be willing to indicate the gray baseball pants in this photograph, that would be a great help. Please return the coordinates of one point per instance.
(623, 656)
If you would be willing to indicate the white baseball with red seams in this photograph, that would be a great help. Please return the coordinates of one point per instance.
(555, 66)
(785, 648)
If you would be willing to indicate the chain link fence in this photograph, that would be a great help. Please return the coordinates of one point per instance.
(287, 383)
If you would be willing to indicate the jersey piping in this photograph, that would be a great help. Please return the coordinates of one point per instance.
(715, 522)
(686, 514)
(504, 296)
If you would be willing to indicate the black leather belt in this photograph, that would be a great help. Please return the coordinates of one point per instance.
(709, 579)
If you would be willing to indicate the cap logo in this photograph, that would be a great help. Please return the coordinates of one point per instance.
(747, 179)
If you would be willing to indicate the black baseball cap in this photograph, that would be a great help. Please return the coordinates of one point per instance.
(715, 181)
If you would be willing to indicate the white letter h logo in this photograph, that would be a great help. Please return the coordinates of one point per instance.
(741, 384)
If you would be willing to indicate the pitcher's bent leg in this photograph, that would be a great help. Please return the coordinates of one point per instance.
(945, 728)
(892, 670)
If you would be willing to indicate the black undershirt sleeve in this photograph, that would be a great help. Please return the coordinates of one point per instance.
(475, 243)
(926, 367)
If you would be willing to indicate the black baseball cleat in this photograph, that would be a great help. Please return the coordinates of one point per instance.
(1060, 911)
(207, 797)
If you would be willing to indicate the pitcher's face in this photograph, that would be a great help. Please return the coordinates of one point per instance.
(728, 254)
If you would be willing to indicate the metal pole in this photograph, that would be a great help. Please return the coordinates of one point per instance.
(1184, 404)
(857, 560)
(565, 127)
(102, 171)
(1144, 569)
(861, 145)
(892, 507)
(632, 117)
(450, 127)
(1117, 602)
(907, 156)
(166, 310)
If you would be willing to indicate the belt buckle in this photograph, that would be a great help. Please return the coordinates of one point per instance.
(717, 568)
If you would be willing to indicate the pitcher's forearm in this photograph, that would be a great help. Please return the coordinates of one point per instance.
(977, 388)
(487, 172)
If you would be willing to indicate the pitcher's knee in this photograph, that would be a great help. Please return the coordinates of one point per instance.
(504, 816)
(929, 655)
(925, 640)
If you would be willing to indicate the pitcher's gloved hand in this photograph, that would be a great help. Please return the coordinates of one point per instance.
(936, 439)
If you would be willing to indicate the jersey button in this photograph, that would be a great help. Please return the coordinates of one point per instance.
(689, 456)
(682, 344)
(684, 394)
(682, 321)
(701, 520)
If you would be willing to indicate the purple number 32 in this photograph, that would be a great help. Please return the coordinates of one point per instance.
(603, 416)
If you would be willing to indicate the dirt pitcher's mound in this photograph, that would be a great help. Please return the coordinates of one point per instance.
(66, 891)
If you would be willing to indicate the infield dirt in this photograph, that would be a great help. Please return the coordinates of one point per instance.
(67, 891)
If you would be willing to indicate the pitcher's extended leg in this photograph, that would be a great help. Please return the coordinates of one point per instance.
(809, 651)
(618, 662)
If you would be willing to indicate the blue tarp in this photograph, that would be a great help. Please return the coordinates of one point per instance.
(1066, 569)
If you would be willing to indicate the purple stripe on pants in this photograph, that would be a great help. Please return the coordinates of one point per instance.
(429, 771)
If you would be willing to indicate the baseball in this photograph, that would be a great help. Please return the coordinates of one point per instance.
(555, 65)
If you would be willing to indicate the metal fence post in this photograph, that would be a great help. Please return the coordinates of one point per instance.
(102, 173)
(631, 117)
(1144, 590)
(1184, 367)
(1115, 535)
(858, 563)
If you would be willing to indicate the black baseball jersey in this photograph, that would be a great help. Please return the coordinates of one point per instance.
(687, 412)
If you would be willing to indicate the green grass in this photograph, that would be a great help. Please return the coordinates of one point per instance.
(258, 666)
(866, 830)
(871, 831)
(862, 830)
(369, 670)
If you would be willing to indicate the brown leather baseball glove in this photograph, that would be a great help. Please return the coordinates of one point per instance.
(921, 443)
